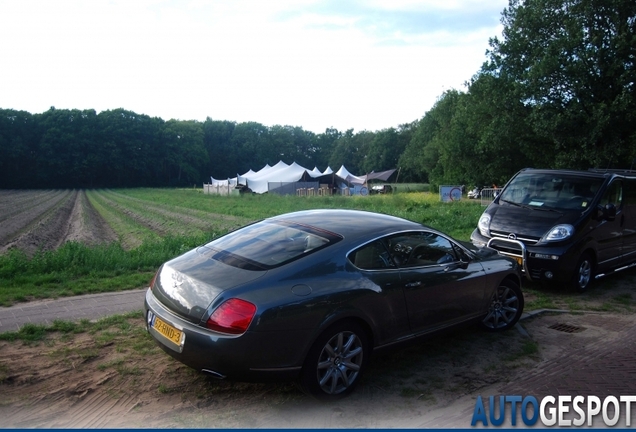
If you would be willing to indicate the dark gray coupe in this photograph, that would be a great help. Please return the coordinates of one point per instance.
(309, 295)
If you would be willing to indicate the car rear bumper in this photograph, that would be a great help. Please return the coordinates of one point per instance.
(252, 356)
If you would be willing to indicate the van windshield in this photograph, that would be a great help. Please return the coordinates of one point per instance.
(551, 191)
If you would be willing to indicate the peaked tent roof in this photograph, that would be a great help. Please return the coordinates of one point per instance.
(283, 173)
(343, 173)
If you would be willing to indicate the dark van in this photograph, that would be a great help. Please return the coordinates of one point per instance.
(564, 226)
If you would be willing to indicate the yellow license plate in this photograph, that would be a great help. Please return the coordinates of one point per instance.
(167, 330)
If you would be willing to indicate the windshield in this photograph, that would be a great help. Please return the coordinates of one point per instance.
(268, 244)
(551, 191)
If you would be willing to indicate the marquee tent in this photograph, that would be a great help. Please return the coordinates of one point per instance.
(287, 179)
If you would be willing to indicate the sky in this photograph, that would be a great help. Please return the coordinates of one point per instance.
(318, 64)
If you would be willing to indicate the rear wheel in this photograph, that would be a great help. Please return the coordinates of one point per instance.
(335, 362)
(505, 308)
(583, 273)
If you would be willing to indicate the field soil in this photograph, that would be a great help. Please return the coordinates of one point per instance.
(44, 220)
(117, 377)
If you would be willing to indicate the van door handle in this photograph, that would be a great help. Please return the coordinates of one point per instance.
(413, 284)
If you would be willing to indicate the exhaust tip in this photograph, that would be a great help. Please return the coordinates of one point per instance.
(213, 374)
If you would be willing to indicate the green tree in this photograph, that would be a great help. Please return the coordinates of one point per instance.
(351, 151)
(66, 153)
(18, 149)
(324, 147)
(130, 150)
(218, 143)
(424, 156)
(249, 143)
(185, 153)
(573, 65)
(384, 150)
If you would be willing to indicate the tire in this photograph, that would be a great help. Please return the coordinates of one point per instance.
(505, 308)
(335, 361)
(583, 273)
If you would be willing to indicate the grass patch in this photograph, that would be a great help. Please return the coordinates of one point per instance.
(118, 342)
(529, 349)
(75, 268)
(624, 299)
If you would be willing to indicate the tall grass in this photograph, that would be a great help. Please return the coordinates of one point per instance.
(77, 269)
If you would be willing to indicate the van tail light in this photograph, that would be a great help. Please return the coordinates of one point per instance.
(233, 316)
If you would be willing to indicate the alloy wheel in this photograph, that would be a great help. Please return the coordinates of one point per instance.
(504, 309)
(339, 362)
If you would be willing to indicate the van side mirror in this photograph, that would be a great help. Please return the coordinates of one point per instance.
(608, 212)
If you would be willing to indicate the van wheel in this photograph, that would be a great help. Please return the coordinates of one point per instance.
(335, 362)
(583, 273)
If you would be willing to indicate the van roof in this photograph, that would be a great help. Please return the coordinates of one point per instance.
(592, 172)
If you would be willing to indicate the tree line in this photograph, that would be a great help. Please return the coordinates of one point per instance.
(120, 148)
(557, 90)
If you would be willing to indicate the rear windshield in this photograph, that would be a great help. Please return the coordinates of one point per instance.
(553, 191)
(268, 244)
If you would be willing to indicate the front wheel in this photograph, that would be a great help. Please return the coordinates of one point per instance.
(583, 273)
(335, 362)
(505, 308)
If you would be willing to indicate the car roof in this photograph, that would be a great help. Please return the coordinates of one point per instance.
(350, 223)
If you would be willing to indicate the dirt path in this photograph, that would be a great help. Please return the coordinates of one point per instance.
(102, 381)
(85, 381)
(86, 225)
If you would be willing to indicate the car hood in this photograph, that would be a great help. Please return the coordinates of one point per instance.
(188, 284)
(528, 222)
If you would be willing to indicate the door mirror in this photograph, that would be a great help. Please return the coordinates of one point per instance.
(608, 212)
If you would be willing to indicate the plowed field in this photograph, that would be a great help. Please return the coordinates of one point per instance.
(42, 220)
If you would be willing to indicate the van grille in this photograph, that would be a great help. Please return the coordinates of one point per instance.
(526, 240)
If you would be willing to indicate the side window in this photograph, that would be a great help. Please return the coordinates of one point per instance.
(417, 249)
(433, 249)
(613, 195)
(373, 256)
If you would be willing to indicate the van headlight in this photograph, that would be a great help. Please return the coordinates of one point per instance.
(484, 225)
(559, 232)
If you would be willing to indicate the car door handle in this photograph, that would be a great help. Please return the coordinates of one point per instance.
(413, 284)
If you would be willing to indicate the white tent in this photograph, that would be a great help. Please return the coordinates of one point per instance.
(343, 173)
(268, 179)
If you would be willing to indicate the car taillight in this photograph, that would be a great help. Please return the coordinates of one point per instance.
(233, 316)
(154, 278)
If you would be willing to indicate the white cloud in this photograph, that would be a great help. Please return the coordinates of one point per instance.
(315, 64)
